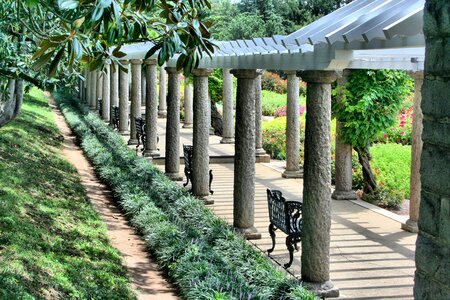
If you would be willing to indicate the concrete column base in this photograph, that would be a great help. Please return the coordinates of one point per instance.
(132, 142)
(322, 289)
(151, 153)
(188, 125)
(227, 140)
(162, 114)
(263, 158)
(125, 133)
(410, 226)
(207, 200)
(174, 176)
(249, 233)
(344, 195)
(292, 174)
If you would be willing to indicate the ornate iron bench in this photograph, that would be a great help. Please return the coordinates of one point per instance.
(115, 117)
(188, 153)
(140, 133)
(286, 216)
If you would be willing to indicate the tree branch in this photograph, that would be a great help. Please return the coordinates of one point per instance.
(23, 76)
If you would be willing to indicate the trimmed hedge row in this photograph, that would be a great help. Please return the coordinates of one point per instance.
(204, 257)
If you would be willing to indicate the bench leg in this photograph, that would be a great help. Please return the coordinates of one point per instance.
(272, 235)
(290, 246)
(210, 181)
(186, 172)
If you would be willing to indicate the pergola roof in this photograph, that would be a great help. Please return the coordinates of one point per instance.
(370, 34)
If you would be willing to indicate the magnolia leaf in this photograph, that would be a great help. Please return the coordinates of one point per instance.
(68, 4)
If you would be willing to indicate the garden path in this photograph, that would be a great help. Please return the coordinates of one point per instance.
(146, 280)
(370, 257)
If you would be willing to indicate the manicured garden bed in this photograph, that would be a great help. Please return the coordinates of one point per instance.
(53, 244)
(203, 256)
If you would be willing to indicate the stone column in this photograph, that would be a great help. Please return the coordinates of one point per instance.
(151, 110)
(114, 94)
(317, 180)
(188, 104)
(228, 112)
(80, 90)
(261, 155)
(99, 90)
(88, 88)
(172, 166)
(135, 111)
(106, 94)
(417, 144)
(244, 158)
(124, 94)
(143, 88)
(162, 107)
(202, 122)
(343, 163)
(293, 169)
(93, 90)
(433, 240)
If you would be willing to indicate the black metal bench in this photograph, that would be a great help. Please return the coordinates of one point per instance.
(286, 216)
(140, 133)
(115, 117)
(188, 153)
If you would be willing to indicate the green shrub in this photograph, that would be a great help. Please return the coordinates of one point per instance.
(392, 165)
(273, 82)
(215, 89)
(271, 101)
(274, 138)
(198, 250)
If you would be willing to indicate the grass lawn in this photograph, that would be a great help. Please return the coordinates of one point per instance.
(52, 242)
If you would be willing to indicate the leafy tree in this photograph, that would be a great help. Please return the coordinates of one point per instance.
(56, 36)
(368, 105)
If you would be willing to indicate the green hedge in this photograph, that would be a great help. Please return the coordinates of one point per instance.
(198, 250)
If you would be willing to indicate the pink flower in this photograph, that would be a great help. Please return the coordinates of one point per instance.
(402, 133)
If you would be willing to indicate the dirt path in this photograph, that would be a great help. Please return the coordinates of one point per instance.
(143, 271)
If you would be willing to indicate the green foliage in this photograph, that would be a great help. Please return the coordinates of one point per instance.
(271, 101)
(372, 100)
(215, 89)
(198, 250)
(53, 244)
(274, 137)
(258, 18)
(273, 82)
(392, 164)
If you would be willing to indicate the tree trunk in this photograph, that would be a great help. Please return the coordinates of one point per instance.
(13, 104)
(216, 120)
(370, 182)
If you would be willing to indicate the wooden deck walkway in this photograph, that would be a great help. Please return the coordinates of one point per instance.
(370, 256)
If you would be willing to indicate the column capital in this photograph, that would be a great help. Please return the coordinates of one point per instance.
(319, 76)
(136, 61)
(201, 72)
(291, 72)
(125, 62)
(172, 70)
(246, 73)
(150, 61)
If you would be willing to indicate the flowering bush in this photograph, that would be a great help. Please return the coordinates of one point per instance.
(281, 111)
(274, 138)
(401, 132)
(273, 82)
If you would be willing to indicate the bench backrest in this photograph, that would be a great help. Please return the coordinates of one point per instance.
(139, 123)
(188, 152)
(286, 215)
